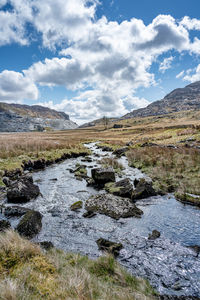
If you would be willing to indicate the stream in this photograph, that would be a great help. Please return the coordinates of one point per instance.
(168, 263)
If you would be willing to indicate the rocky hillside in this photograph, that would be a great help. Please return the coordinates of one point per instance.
(19, 118)
(187, 98)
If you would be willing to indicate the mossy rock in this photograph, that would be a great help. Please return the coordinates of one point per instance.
(77, 205)
(30, 224)
(187, 199)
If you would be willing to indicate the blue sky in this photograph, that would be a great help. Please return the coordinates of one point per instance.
(93, 58)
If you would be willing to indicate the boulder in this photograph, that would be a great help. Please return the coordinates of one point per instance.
(103, 175)
(22, 190)
(4, 225)
(122, 188)
(144, 189)
(80, 171)
(154, 235)
(13, 174)
(114, 206)
(30, 225)
(120, 152)
(108, 246)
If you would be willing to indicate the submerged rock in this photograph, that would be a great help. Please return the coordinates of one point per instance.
(22, 190)
(122, 188)
(103, 175)
(154, 235)
(15, 211)
(4, 225)
(108, 246)
(89, 214)
(77, 205)
(113, 206)
(144, 189)
(30, 225)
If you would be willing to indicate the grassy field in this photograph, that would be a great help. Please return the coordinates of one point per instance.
(26, 272)
(171, 169)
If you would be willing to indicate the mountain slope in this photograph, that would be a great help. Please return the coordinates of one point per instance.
(180, 99)
(18, 118)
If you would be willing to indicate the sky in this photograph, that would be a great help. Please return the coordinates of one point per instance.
(95, 58)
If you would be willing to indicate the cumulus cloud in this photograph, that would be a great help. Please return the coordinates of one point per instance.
(166, 64)
(103, 61)
(15, 87)
(193, 76)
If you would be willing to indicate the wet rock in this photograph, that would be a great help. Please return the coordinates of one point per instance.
(108, 246)
(113, 206)
(80, 171)
(89, 214)
(196, 249)
(30, 225)
(13, 174)
(120, 152)
(46, 245)
(154, 235)
(76, 206)
(39, 164)
(4, 225)
(6, 181)
(144, 189)
(53, 179)
(107, 149)
(87, 159)
(15, 211)
(122, 188)
(22, 190)
(103, 175)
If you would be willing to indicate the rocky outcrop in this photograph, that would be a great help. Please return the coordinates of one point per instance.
(30, 225)
(187, 98)
(19, 118)
(113, 206)
(22, 190)
(122, 188)
(144, 189)
(108, 246)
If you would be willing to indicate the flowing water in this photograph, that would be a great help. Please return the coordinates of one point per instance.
(169, 264)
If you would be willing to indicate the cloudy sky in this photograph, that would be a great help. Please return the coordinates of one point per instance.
(92, 58)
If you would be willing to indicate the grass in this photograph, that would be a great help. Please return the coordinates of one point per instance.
(171, 169)
(26, 272)
(112, 162)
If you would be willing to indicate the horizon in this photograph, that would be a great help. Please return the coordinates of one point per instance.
(91, 59)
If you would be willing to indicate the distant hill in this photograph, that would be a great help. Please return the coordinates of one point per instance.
(187, 98)
(19, 118)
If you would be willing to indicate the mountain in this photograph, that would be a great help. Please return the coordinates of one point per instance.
(187, 98)
(19, 118)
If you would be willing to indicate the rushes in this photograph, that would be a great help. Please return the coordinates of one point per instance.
(171, 169)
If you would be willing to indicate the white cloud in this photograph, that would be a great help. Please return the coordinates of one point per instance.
(193, 77)
(166, 64)
(190, 24)
(15, 87)
(181, 74)
(103, 61)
